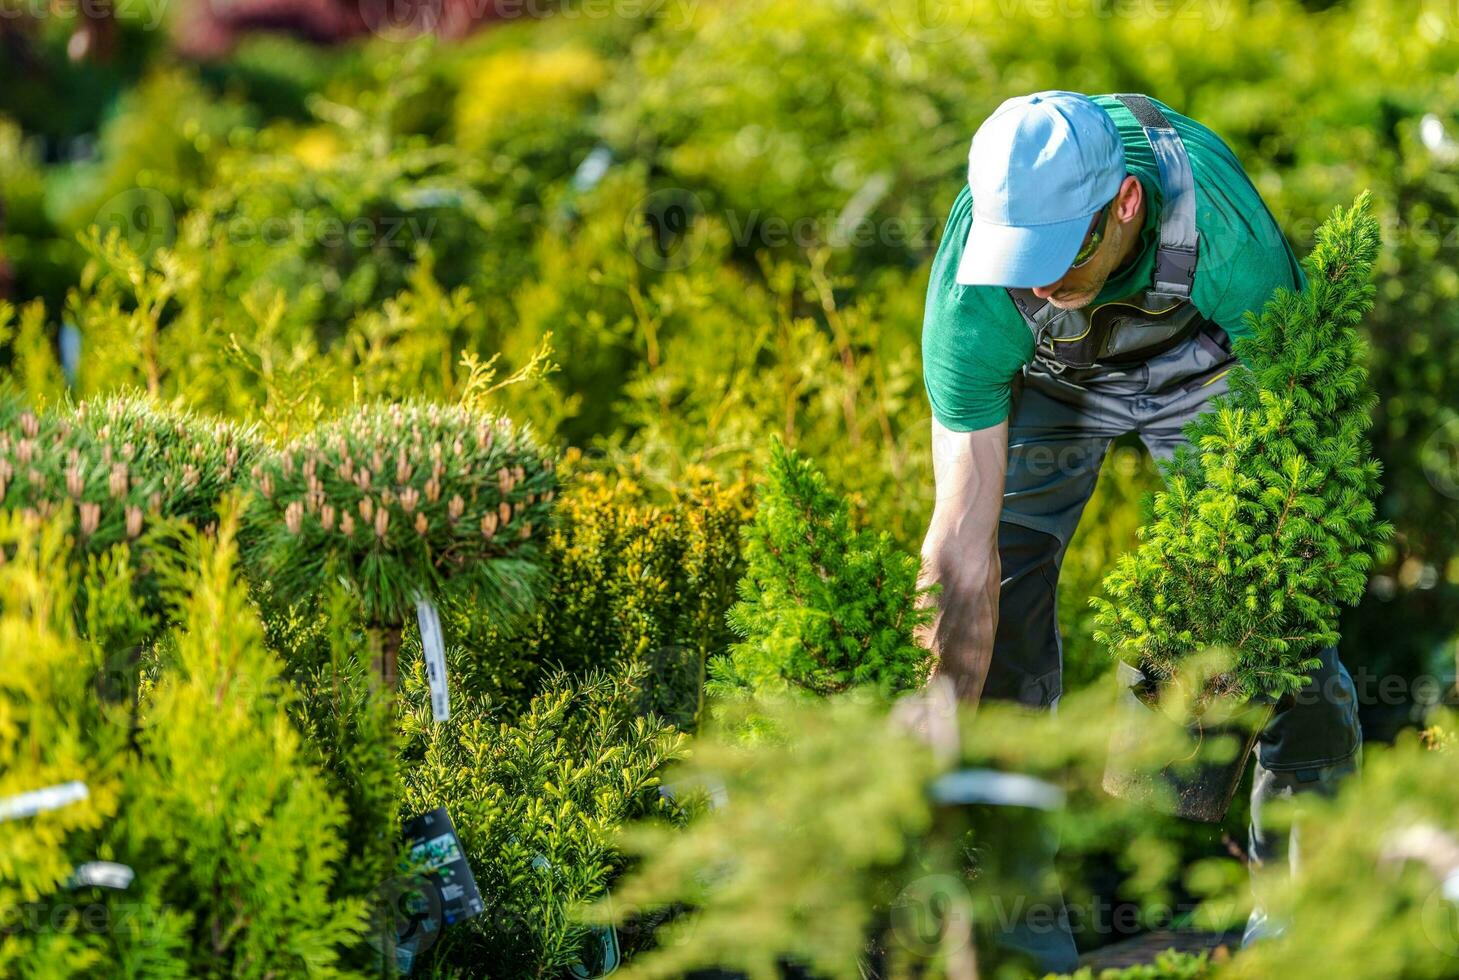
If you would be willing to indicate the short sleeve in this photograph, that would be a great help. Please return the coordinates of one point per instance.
(971, 352)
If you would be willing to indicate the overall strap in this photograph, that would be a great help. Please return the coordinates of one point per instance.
(1175, 256)
(1175, 259)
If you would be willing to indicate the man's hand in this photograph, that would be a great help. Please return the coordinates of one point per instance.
(960, 553)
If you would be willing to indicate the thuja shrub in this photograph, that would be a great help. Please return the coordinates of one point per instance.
(52, 733)
(536, 802)
(117, 469)
(235, 839)
(824, 606)
(404, 501)
(1267, 521)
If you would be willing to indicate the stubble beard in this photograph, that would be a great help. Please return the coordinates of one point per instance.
(1085, 296)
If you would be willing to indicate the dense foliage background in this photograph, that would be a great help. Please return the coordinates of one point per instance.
(662, 238)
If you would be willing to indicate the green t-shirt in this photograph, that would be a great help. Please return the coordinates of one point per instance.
(974, 342)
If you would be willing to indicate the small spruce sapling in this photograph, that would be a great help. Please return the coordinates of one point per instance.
(824, 606)
(1267, 520)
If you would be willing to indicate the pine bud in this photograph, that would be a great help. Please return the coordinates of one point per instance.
(433, 489)
(74, 483)
(367, 509)
(326, 517)
(117, 481)
(382, 522)
(421, 524)
(346, 524)
(294, 517)
(90, 517)
(134, 521)
(29, 424)
(526, 531)
(409, 497)
(504, 510)
(488, 525)
(455, 508)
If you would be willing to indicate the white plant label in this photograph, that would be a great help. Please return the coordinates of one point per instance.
(104, 874)
(41, 800)
(433, 646)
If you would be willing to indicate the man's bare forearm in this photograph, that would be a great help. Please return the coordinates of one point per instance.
(960, 554)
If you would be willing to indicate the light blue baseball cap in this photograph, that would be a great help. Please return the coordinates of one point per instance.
(1039, 168)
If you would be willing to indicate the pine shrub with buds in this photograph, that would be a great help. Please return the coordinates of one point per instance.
(404, 501)
(120, 467)
(1267, 520)
(824, 606)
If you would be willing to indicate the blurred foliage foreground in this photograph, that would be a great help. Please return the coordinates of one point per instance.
(303, 345)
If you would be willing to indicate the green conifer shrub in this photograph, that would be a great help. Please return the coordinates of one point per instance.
(351, 728)
(536, 802)
(213, 802)
(1168, 965)
(633, 573)
(803, 845)
(120, 469)
(824, 606)
(52, 732)
(405, 501)
(235, 840)
(1267, 520)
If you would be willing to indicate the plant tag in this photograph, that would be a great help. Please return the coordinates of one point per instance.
(434, 847)
(41, 800)
(103, 874)
(433, 646)
(987, 786)
(600, 953)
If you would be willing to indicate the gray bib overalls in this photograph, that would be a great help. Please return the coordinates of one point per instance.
(1145, 365)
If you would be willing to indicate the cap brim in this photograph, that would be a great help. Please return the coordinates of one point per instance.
(1020, 257)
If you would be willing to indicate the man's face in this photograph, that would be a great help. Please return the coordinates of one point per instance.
(1077, 288)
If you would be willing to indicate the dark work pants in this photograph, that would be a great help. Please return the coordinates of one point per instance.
(1060, 428)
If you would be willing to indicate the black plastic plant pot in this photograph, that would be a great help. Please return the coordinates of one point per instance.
(1200, 779)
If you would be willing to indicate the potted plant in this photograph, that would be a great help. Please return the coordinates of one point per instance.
(1265, 526)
